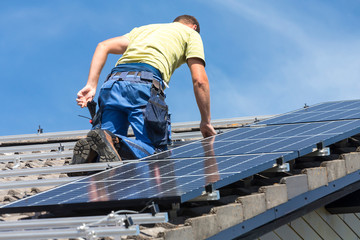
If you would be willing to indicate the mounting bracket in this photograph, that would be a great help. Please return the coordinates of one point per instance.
(207, 196)
(320, 150)
(279, 166)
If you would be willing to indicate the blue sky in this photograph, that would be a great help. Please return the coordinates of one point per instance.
(263, 57)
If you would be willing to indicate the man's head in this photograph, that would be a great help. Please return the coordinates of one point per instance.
(189, 21)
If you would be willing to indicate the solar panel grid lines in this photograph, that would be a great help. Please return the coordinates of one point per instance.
(286, 140)
(169, 189)
(74, 189)
(82, 186)
(142, 182)
(115, 182)
(347, 104)
(108, 180)
(184, 172)
(149, 178)
(259, 142)
(238, 168)
(320, 116)
(321, 112)
(180, 149)
(53, 196)
(200, 176)
(316, 137)
(339, 137)
(331, 106)
(147, 172)
(191, 174)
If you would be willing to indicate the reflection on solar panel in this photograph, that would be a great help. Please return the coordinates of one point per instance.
(185, 172)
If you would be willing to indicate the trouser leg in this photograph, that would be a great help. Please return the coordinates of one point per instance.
(120, 101)
(115, 121)
(125, 102)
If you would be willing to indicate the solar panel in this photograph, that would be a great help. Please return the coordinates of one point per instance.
(165, 180)
(267, 139)
(328, 111)
(184, 173)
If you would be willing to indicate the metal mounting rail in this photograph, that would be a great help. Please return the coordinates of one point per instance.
(140, 218)
(35, 156)
(92, 227)
(52, 135)
(88, 233)
(59, 169)
(37, 147)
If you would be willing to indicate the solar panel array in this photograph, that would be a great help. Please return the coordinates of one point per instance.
(184, 173)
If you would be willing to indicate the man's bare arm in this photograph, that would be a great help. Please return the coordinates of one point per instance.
(202, 94)
(117, 45)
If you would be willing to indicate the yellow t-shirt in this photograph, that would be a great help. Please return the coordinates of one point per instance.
(163, 46)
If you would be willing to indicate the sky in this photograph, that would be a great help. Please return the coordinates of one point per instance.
(263, 57)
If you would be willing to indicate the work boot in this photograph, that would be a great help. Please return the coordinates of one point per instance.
(83, 153)
(103, 142)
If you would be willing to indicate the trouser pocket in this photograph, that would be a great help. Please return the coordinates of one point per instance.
(156, 120)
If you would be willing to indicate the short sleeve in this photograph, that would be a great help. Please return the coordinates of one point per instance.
(195, 47)
(132, 33)
(128, 35)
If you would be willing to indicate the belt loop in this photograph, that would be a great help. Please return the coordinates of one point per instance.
(146, 75)
(135, 76)
(123, 75)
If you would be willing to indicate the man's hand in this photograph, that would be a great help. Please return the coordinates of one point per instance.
(85, 95)
(207, 129)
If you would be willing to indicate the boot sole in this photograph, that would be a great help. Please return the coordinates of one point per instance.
(98, 141)
(81, 152)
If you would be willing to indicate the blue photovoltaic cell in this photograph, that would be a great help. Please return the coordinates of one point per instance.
(266, 139)
(182, 174)
(329, 111)
(181, 178)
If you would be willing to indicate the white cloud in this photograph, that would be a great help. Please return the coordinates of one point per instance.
(324, 68)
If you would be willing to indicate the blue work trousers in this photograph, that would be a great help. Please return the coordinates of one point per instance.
(122, 103)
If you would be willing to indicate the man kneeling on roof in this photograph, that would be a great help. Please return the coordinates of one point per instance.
(133, 93)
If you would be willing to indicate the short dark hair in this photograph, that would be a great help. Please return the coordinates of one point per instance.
(188, 20)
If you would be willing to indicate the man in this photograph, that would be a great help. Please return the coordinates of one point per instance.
(133, 93)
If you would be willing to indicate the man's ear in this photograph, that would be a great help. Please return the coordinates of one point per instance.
(194, 27)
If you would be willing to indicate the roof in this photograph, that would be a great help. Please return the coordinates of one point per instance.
(248, 209)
